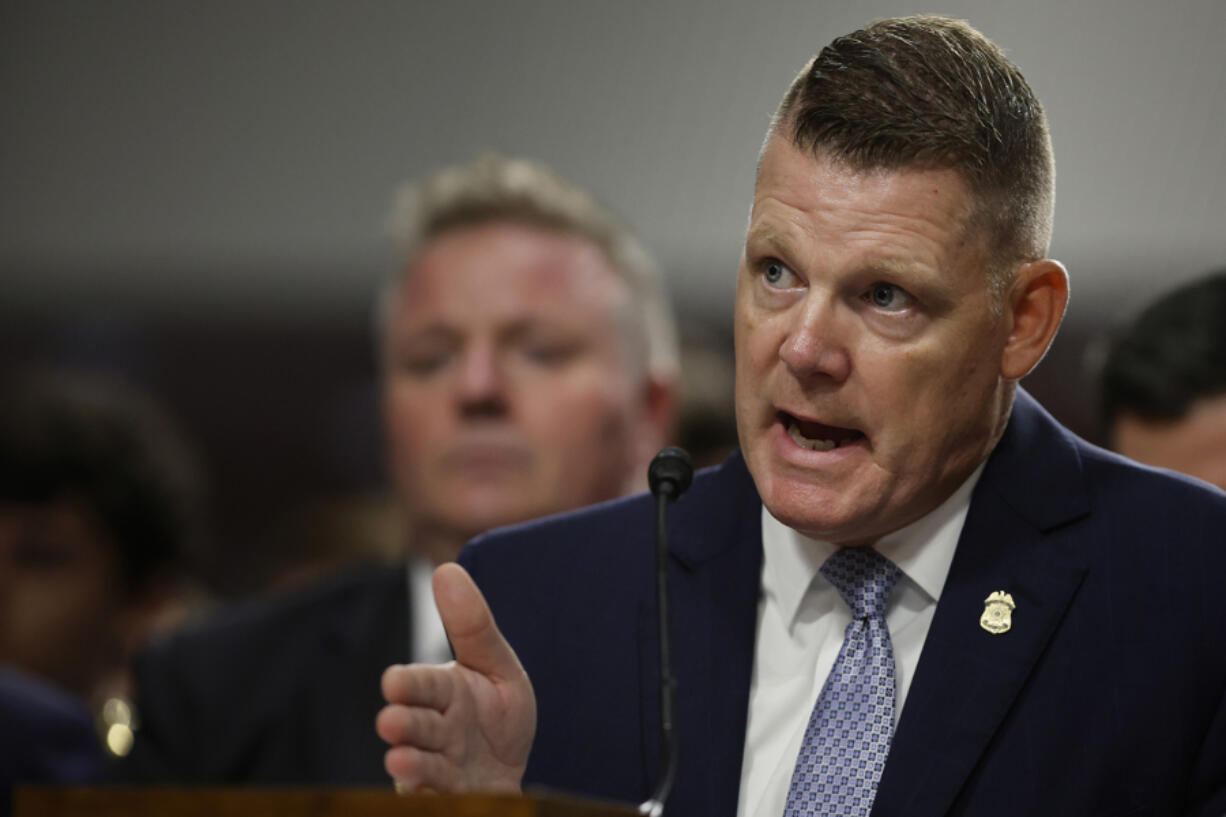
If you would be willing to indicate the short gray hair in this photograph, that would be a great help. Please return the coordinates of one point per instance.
(495, 189)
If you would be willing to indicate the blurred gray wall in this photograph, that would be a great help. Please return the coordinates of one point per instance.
(242, 153)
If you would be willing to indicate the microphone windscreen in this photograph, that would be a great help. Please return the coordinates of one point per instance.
(672, 467)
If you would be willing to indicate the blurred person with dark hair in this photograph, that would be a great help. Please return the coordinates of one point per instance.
(528, 362)
(99, 502)
(1163, 399)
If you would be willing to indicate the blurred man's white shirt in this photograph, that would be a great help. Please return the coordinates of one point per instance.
(429, 639)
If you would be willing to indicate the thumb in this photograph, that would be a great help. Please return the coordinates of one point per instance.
(470, 625)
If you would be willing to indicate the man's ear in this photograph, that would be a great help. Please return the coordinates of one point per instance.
(660, 406)
(657, 423)
(1034, 310)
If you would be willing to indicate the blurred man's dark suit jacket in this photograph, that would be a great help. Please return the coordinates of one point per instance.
(1105, 698)
(281, 692)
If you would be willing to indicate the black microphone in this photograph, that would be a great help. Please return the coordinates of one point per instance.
(670, 473)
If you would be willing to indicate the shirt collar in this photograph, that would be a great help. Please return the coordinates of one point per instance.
(923, 551)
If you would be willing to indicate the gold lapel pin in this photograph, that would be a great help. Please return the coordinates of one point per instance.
(997, 613)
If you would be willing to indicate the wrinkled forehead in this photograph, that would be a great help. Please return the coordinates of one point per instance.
(779, 144)
(798, 183)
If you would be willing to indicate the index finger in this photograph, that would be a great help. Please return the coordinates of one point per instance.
(424, 685)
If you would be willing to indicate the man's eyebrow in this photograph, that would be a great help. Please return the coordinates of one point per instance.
(531, 325)
(899, 266)
(767, 236)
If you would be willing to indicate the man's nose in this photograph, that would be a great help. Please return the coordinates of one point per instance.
(482, 380)
(815, 346)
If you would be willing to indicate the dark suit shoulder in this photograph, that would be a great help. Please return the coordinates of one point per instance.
(1054, 480)
(278, 622)
(1120, 473)
(538, 573)
(1166, 503)
(211, 697)
(609, 530)
(592, 521)
(1152, 538)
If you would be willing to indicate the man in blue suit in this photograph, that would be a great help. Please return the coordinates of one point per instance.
(913, 593)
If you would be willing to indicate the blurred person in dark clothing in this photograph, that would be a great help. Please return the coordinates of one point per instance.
(528, 363)
(1163, 398)
(48, 736)
(99, 502)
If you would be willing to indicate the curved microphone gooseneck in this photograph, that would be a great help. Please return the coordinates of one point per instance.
(668, 476)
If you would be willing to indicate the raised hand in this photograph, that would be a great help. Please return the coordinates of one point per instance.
(467, 725)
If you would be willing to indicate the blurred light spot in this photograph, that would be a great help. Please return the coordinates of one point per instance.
(119, 739)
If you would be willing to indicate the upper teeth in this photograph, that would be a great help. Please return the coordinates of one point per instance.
(805, 442)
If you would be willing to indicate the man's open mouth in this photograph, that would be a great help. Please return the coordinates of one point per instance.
(818, 436)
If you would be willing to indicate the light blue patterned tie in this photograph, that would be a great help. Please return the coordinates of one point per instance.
(849, 732)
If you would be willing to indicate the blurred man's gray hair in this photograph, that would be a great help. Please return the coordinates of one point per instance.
(497, 189)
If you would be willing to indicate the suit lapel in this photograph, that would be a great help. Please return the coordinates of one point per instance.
(968, 678)
(716, 544)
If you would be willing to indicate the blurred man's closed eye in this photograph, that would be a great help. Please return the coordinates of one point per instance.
(422, 366)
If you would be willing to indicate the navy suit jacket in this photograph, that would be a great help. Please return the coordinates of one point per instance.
(1107, 696)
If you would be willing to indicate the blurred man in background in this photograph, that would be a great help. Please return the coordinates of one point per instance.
(528, 363)
(1163, 396)
(528, 358)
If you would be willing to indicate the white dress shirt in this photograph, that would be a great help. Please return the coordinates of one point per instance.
(429, 639)
(801, 621)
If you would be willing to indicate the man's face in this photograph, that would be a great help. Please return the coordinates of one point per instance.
(868, 351)
(1194, 444)
(508, 391)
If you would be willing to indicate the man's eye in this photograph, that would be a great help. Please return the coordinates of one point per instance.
(420, 364)
(776, 274)
(888, 296)
(549, 354)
